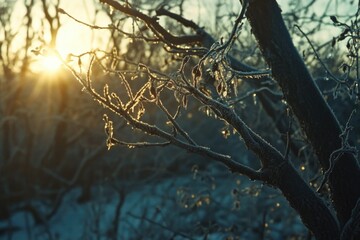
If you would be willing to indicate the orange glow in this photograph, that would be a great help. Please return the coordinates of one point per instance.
(49, 64)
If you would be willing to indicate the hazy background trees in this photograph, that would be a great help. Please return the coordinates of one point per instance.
(53, 138)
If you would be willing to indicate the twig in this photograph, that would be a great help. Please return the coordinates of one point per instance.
(255, 91)
(154, 25)
(319, 59)
(337, 154)
(175, 124)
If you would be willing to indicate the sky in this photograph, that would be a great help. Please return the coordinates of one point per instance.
(76, 38)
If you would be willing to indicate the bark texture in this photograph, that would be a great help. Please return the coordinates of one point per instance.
(303, 96)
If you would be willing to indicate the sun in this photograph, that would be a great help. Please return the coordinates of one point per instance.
(50, 63)
(46, 60)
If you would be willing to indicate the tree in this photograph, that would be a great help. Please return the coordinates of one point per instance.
(204, 72)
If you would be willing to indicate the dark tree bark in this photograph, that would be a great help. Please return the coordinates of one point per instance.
(303, 96)
(280, 173)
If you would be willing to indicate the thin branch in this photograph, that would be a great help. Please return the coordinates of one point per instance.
(109, 27)
(346, 148)
(175, 124)
(155, 131)
(154, 25)
(249, 74)
(139, 144)
(319, 59)
(161, 11)
(255, 91)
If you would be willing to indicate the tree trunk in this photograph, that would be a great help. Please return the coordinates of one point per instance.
(312, 210)
(303, 96)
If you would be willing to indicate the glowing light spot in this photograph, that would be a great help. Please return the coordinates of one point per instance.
(49, 64)
(302, 168)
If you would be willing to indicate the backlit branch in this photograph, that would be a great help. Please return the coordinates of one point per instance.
(154, 25)
(110, 102)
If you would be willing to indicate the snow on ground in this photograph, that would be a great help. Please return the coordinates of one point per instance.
(189, 207)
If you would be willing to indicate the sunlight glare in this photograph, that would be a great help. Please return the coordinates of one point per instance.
(50, 63)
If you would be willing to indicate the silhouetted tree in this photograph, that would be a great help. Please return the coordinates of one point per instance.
(199, 70)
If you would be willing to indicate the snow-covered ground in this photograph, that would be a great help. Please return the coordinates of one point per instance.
(202, 203)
